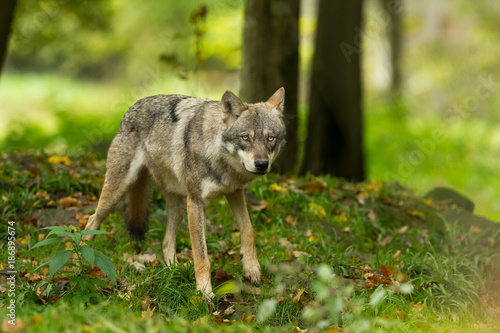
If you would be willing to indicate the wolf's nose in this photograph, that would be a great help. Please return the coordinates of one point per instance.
(261, 165)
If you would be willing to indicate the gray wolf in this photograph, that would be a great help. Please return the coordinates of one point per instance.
(194, 150)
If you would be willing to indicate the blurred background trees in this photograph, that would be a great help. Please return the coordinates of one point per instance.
(417, 102)
(334, 144)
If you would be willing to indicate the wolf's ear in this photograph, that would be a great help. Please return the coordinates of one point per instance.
(277, 100)
(232, 106)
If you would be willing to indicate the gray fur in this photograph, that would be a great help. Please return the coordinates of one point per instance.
(194, 150)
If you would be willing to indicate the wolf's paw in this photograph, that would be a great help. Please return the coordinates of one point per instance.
(170, 258)
(251, 272)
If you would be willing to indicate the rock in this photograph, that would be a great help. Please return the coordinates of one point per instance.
(451, 197)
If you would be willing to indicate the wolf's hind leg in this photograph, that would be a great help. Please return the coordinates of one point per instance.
(119, 176)
(176, 210)
(251, 268)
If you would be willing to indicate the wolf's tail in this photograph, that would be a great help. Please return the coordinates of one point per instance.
(138, 200)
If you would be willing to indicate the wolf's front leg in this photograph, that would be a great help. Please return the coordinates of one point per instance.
(197, 225)
(251, 268)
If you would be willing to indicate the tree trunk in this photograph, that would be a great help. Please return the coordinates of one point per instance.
(271, 61)
(6, 15)
(393, 29)
(334, 143)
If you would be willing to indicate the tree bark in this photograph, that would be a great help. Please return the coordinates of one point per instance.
(334, 144)
(393, 30)
(6, 16)
(271, 61)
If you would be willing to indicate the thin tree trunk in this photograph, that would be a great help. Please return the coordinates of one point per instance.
(271, 61)
(6, 16)
(393, 29)
(334, 143)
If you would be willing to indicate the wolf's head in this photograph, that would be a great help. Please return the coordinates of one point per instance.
(255, 133)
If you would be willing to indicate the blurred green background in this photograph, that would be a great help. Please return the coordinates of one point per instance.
(74, 67)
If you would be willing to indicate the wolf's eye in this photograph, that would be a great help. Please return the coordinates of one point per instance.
(271, 138)
(244, 137)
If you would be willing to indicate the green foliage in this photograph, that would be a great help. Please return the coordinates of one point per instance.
(82, 288)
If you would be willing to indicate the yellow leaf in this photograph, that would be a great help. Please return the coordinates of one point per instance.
(196, 300)
(54, 159)
(69, 202)
(416, 214)
(277, 188)
(296, 298)
(314, 239)
(318, 209)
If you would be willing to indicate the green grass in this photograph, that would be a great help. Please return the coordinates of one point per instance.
(424, 149)
(328, 261)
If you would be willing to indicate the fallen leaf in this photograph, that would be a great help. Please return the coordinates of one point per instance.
(475, 229)
(145, 257)
(248, 319)
(402, 230)
(315, 185)
(34, 277)
(416, 214)
(290, 220)
(386, 271)
(297, 254)
(137, 265)
(318, 210)
(277, 188)
(81, 218)
(196, 300)
(417, 307)
(69, 202)
(361, 198)
(314, 239)
(296, 298)
(230, 310)
(372, 215)
(397, 254)
(221, 275)
(147, 313)
(346, 229)
(54, 159)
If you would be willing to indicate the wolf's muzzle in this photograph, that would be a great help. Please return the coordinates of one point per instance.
(261, 165)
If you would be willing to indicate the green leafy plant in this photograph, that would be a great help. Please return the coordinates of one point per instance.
(85, 259)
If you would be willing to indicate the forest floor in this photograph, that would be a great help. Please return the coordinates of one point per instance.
(336, 256)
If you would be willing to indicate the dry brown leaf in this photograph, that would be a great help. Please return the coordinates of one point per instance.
(386, 271)
(81, 218)
(230, 310)
(221, 275)
(402, 230)
(290, 220)
(372, 215)
(362, 197)
(397, 254)
(475, 229)
(297, 254)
